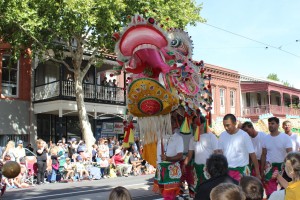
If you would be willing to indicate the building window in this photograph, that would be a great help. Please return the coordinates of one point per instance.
(259, 99)
(232, 98)
(222, 97)
(248, 99)
(9, 77)
(213, 95)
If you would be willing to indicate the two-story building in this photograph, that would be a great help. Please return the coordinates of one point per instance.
(225, 87)
(262, 96)
(38, 99)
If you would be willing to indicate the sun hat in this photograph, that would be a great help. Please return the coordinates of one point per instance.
(117, 151)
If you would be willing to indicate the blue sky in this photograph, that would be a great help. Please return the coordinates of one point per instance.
(276, 23)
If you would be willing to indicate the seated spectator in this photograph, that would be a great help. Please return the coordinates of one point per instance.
(136, 163)
(252, 188)
(19, 181)
(80, 168)
(104, 167)
(217, 168)
(118, 161)
(69, 169)
(127, 156)
(120, 193)
(227, 191)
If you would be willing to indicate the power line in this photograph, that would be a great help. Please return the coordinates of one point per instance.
(266, 45)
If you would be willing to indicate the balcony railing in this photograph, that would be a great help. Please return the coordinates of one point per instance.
(91, 92)
(274, 109)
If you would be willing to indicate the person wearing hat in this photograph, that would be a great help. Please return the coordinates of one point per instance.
(80, 168)
(20, 151)
(168, 174)
(119, 163)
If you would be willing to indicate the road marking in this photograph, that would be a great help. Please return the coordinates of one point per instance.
(66, 193)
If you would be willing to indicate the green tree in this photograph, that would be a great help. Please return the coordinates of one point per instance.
(286, 83)
(273, 77)
(38, 24)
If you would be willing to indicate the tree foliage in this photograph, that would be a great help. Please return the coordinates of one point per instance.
(77, 26)
(39, 23)
(273, 77)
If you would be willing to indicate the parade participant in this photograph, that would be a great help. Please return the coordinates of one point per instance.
(275, 147)
(287, 127)
(236, 145)
(168, 173)
(184, 119)
(257, 138)
(201, 149)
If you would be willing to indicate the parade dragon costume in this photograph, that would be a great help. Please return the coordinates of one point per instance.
(161, 75)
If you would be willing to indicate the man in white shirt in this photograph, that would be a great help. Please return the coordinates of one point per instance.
(257, 138)
(236, 145)
(202, 150)
(275, 147)
(287, 127)
(168, 173)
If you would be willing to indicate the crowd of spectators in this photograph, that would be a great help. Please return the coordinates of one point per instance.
(70, 161)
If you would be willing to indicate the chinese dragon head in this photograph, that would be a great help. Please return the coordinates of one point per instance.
(162, 74)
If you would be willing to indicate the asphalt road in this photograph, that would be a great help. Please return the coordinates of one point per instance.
(140, 188)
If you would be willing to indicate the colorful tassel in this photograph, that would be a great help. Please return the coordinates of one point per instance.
(197, 132)
(185, 126)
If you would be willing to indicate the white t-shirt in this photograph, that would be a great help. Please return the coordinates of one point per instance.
(172, 146)
(204, 148)
(295, 141)
(186, 140)
(276, 147)
(277, 195)
(236, 148)
(257, 144)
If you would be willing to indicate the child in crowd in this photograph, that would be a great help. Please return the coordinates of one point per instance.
(120, 193)
(80, 168)
(252, 188)
(292, 168)
(227, 191)
(69, 168)
(104, 167)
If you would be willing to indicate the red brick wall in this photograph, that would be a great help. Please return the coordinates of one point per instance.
(24, 75)
(229, 80)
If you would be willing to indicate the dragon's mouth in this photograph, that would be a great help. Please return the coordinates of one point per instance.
(138, 36)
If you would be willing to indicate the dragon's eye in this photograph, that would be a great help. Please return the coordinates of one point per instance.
(176, 43)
